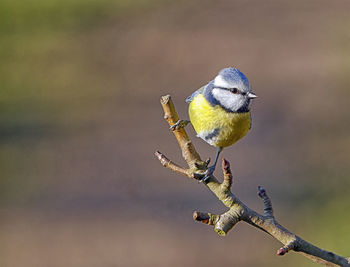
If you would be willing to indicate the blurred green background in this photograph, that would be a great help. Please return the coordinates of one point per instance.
(80, 119)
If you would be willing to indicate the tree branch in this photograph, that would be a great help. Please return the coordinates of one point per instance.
(268, 212)
(237, 210)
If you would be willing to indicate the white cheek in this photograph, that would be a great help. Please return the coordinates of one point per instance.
(228, 100)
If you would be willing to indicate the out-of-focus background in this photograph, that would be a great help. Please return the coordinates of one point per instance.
(80, 120)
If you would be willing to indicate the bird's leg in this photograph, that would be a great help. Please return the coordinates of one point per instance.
(211, 168)
(179, 124)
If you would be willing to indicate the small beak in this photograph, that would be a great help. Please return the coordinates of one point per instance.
(252, 96)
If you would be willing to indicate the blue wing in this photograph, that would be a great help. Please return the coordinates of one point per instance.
(199, 91)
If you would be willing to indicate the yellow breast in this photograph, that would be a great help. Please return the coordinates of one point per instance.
(215, 125)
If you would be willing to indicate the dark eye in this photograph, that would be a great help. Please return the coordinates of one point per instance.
(234, 90)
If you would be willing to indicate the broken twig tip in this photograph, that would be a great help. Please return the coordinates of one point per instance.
(285, 249)
(281, 251)
(201, 217)
(165, 99)
(158, 154)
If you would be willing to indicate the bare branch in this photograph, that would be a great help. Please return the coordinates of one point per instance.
(171, 165)
(226, 222)
(237, 210)
(227, 183)
(188, 151)
(268, 211)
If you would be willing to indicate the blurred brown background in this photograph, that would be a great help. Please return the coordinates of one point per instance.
(80, 119)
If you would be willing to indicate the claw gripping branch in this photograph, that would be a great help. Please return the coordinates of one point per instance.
(237, 210)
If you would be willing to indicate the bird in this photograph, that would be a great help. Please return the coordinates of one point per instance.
(220, 111)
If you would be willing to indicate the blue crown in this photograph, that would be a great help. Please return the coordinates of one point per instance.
(234, 75)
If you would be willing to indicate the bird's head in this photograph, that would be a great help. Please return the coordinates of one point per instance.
(231, 90)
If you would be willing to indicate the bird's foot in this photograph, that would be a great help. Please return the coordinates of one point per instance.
(179, 124)
(208, 173)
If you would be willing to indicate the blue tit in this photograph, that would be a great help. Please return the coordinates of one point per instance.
(220, 111)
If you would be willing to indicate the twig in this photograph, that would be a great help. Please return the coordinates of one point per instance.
(171, 165)
(237, 210)
(228, 179)
(268, 211)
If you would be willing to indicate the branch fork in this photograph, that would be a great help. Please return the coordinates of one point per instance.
(237, 210)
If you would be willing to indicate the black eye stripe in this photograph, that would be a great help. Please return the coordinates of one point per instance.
(233, 90)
